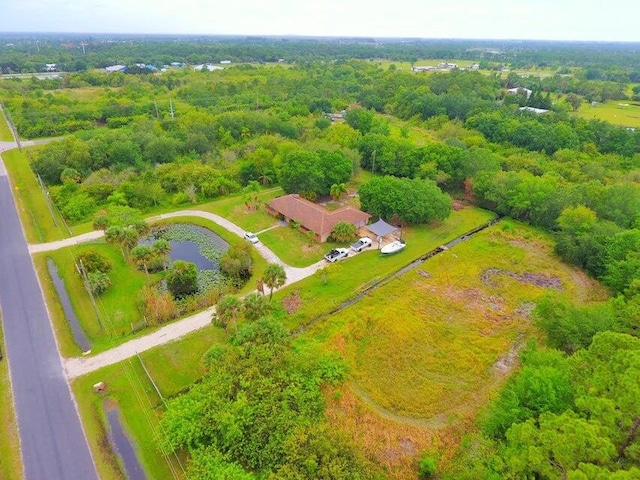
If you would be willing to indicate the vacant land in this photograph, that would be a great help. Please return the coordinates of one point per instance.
(173, 367)
(618, 112)
(5, 132)
(428, 349)
(10, 464)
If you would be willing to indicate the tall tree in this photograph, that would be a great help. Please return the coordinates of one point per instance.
(274, 277)
(142, 255)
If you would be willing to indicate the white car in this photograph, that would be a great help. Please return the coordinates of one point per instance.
(251, 237)
(336, 254)
(361, 244)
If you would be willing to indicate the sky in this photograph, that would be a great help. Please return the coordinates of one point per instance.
(599, 20)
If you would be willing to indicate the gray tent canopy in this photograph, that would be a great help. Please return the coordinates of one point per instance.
(382, 228)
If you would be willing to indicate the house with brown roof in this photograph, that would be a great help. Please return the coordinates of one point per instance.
(313, 217)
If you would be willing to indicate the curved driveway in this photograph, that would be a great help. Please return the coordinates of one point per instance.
(53, 444)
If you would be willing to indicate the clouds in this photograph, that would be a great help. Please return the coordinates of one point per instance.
(531, 19)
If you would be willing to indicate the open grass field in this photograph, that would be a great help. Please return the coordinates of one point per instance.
(619, 112)
(345, 279)
(37, 221)
(10, 462)
(173, 368)
(117, 307)
(429, 349)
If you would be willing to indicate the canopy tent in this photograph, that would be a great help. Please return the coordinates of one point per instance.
(381, 228)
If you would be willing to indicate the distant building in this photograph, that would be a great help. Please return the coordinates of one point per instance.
(520, 91)
(207, 66)
(116, 68)
(475, 66)
(336, 116)
(423, 68)
(447, 66)
(225, 62)
(176, 64)
(50, 67)
(537, 111)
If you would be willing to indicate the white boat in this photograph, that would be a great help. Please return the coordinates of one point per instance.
(393, 247)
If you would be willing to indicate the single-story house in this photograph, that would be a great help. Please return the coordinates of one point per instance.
(50, 67)
(207, 66)
(537, 111)
(336, 116)
(116, 68)
(313, 217)
(520, 91)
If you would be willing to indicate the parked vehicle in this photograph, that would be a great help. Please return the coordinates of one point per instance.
(364, 242)
(336, 254)
(251, 237)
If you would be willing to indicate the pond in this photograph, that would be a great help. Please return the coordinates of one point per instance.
(195, 244)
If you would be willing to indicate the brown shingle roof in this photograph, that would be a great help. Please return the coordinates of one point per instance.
(314, 217)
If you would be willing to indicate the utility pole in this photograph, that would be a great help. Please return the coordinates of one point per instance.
(157, 113)
(171, 105)
(373, 168)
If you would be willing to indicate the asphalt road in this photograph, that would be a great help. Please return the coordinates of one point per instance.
(52, 440)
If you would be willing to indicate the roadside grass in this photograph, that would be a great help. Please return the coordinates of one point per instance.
(347, 278)
(118, 306)
(5, 131)
(39, 225)
(614, 112)
(10, 461)
(173, 367)
(423, 349)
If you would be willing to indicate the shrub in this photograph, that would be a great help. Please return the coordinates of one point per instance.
(182, 278)
(99, 282)
(157, 307)
(343, 232)
(427, 467)
(92, 261)
(237, 263)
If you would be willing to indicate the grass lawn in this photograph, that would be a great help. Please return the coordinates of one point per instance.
(38, 224)
(173, 368)
(423, 349)
(614, 112)
(117, 307)
(347, 278)
(234, 209)
(416, 135)
(5, 132)
(10, 462)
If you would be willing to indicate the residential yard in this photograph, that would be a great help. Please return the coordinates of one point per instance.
(37, 220)
(342, 280)
(10, 462)
(173, 368)
(428, 350)
(118, 306)
(619, 112)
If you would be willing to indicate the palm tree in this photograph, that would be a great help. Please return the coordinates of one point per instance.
(251, 194)
(255, 306)
(336, 191)
(114, 236)
(130, 239)
(229, 309)
(142, 255)
(274, 277)
(161, 249)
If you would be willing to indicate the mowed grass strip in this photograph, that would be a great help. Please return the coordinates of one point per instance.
(38, 224)
(426, 343)
(173, 367)
(10, 462)
(5, 131)
(342, 280)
